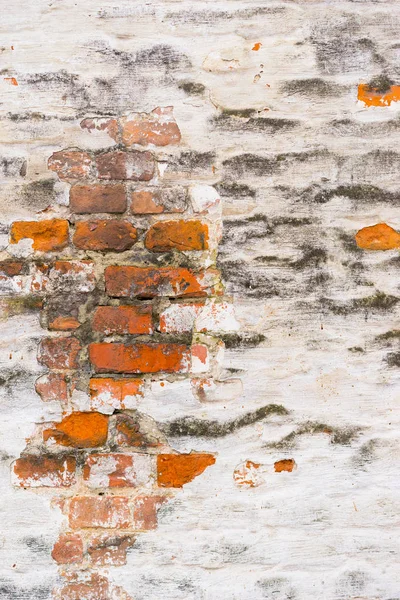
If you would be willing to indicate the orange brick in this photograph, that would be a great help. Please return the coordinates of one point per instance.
(374, 97)
(286, 464)
(158, 128)
(124, 319)
(44, 471)
(150, 282)
(97, 198)
(59, 353)
(47, 236)
(68, 549)
(79, 430)
(139, 358)
(60, 323)
(104, 235)
(178, 235)
(107, 392)
(378, 237)
(70, 164)
(174, 470)
(99, 511)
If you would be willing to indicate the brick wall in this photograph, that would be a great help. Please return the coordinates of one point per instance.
(199, 305)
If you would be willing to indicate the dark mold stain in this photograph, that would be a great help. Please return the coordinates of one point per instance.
(38, 545)
(393, 359)
(13, 166)
(242, 340)
(235, 190)
(192, 88)
(338, 435)
(378, 302)
(39, 194)
(192, 427)
(381, 84)
(276, 588)
(245, 122)
(191, 162)
(254, 164)
(312, 87)
(11, 591)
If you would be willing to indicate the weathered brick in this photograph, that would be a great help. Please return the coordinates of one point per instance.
(73, 276)
(85, 586)
(70, 164)
(106, 512)
(128, 433)
(179, 317)
(178, 235)
(108, 549)
(145, 511)
(248, 474)
(10, 268)
(118, 470)
(139, 358)
(133, 166)
(211, 316)
(174, 470)
(97, 198)
(135, 319)
(79, 430)
(372, 96)
(107, 394)
(159, 200)
(67, 323)
(104, 235)
(44, 471)
(47, 236)
(149, 282)
(286, 464)
(68, 549)
(52, 387)
(106, 124)
(59, 353)
(378, 237)
(200, 358)
(158, 128)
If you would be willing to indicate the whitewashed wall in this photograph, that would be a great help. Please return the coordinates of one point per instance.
(301, 166)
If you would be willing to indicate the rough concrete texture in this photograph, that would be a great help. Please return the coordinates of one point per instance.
(289, 111)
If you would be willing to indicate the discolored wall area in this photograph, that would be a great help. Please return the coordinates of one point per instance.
(290, 111)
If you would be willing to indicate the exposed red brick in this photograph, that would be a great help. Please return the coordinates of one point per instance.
(107, 549)
(158, 128)
(174, 470)
(72, 276)
(68, 549)
(52, 386)
(86, 587)
(97, 198)
(135, 319)
(149, 282)
(118, 470)
(104, 235)
(44, 471)
(179, 235)
(99, 511)
(378, 237)
(70, 164)
(107, 392)
(59, 353)
(286, 464)
(79, 430)
(101, 124)
(11, 267)
(145, 511)
(159, 200)
(47, 236)
(64, 324)
(133, 166)
(139, 358)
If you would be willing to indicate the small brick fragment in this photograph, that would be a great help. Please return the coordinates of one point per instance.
(132, 166)
(52, 387)
(99, 511)
(174, 470)
(159, 200)
(135, 319)
(59, 353)
(47, 236)
(145, 511)
(374, 97)
(118, 470)
(129, 433)
(178, 235)
(108, 550)
(107, 394)
(97, 198)
(378, 237)
(68, 549)
(286, 464)
(149, 282)
(68, 323)
(139, 358)
(158, 128)
(79, 430)
(104, 235)
(44, 471)
(70, 164)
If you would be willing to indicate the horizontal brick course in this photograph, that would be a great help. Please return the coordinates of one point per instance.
(139, 358)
